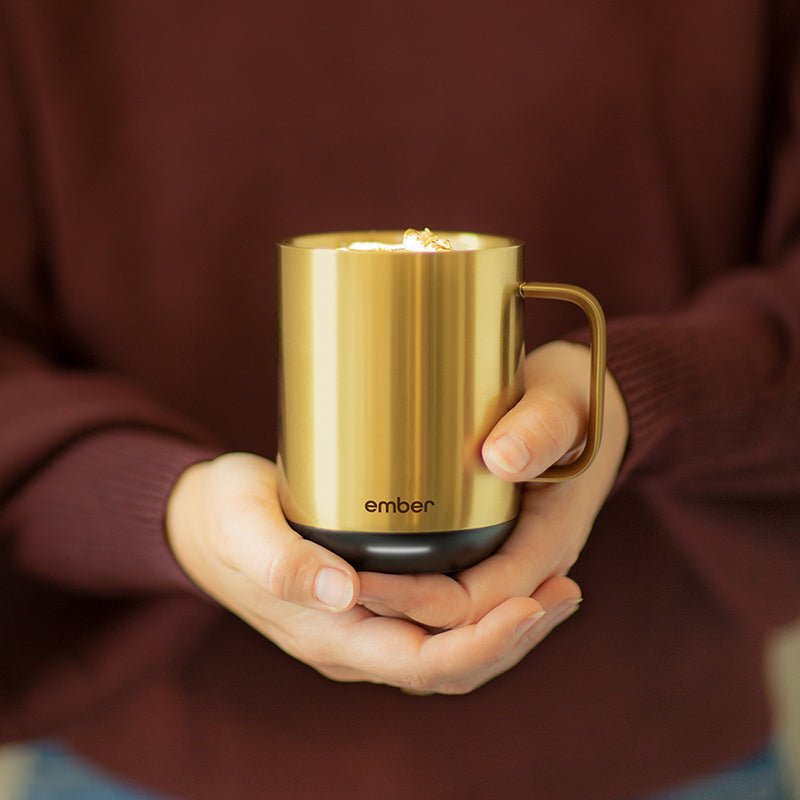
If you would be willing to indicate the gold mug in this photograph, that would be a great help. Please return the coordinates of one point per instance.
(394, 365)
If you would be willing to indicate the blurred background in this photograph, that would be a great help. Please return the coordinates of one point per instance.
(782, 674)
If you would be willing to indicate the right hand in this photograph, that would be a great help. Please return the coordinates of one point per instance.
(227, 531)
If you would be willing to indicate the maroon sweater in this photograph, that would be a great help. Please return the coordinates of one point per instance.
(152, 153)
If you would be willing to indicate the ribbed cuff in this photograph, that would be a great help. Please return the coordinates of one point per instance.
(688, 381)
(93, 518)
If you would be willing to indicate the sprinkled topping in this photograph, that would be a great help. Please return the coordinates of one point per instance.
(424, 241)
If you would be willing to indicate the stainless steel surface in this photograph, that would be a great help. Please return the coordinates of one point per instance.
(394, 366)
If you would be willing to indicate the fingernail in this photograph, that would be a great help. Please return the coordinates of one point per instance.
(526, 624)
(561, 612)
(333, 588)
(510, 453)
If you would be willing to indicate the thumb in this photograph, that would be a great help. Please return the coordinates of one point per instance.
(534, 435)
(548, 425)
(242, 532)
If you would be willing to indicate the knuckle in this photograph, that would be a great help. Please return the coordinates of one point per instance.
(419, 681)
(422, 686)
(286, 572)
(554, 421)
(464, 684)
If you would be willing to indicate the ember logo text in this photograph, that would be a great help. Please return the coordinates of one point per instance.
(398, 506)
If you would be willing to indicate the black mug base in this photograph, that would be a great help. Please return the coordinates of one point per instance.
(400, 553)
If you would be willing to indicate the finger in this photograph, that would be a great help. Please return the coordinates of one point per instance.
(555, 616)
(560, 598)
(541, 430)
(255, 540)
(402, 654)
(544, 543)
(548, 424)
(459, 660)
(359, 647)
(558, 591)
(436, 601)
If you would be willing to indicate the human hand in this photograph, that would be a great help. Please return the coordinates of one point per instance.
(546, 427)
(226, 529)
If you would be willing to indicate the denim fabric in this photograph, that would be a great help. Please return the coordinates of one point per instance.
(57, 775)
(758, 778)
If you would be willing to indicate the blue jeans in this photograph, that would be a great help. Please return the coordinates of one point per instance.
(55, 774)
(757, 778)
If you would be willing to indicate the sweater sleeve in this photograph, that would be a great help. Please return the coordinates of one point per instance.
(87, 458)
(713, 395)
(713, 388)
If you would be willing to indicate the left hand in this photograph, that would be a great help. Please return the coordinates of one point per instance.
(226, 529)
(547, 426)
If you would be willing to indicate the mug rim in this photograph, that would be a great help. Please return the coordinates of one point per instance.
(339, 241)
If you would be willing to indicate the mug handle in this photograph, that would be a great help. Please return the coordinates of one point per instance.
(597, 326)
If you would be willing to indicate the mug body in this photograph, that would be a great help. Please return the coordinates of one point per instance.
(393, 368)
